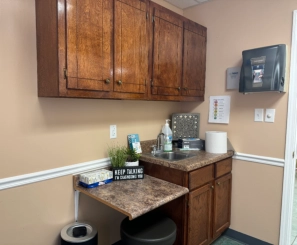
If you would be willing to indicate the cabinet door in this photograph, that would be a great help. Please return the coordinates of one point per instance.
(131, 46)
(88, 44)
(194, 60)
(199, 217)
(222, 204)
(167, 52)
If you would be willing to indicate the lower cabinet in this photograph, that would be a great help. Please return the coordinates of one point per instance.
(204, 213)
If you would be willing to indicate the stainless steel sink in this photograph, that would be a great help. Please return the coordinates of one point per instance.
(174, 156)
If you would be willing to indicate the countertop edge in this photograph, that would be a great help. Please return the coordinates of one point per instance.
(188, 164)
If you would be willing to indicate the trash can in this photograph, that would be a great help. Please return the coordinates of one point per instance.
(79, 233)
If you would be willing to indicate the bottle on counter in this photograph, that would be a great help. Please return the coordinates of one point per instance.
(167, 136)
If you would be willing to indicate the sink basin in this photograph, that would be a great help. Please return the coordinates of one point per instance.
(174, 156)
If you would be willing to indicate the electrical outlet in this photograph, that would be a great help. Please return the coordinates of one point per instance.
(113, 131)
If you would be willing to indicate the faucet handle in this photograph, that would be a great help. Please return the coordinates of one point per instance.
(154, 148)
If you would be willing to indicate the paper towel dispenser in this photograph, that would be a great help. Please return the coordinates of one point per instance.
(263, 69)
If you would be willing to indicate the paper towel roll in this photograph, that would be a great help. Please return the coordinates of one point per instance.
(216, 142)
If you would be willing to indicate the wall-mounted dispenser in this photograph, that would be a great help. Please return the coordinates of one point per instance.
(263, 69)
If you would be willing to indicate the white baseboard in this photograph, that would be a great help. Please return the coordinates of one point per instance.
(259, 159)
(53, 173)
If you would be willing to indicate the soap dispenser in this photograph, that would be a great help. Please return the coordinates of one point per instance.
(167, 136)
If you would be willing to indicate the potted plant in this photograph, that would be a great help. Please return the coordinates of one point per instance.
(118, 156)
(122, 167)
(132, 157)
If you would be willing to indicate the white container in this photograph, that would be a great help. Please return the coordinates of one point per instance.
(216, 142)
(132, 164)
(167, 136)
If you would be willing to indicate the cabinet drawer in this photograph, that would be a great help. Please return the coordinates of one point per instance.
(223, 167)
(201, 176)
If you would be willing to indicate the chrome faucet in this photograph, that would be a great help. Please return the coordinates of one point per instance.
(159, 147)
(159, 144)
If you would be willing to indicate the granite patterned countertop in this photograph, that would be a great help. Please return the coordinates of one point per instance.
(201, 158)
(134, 197)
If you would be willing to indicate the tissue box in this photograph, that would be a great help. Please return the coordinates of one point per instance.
(95, 178)
(191, 143)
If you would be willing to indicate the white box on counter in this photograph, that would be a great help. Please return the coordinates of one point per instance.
(90, 178)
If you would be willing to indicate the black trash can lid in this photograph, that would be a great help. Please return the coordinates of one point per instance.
(70, 232)
(152, 228)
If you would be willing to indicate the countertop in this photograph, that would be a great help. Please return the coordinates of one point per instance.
(134, 197)
(201, 158)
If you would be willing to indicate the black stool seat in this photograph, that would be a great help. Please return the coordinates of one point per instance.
(154, 229)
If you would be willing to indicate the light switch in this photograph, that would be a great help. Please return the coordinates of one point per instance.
(270, 115)
(259, 112)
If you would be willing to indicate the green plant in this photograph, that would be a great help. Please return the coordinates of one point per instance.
(132, 155)
(117, 155)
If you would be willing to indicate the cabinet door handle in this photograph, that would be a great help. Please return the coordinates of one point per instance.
(107, 81)
(186, 89)
(178, 88)
(119, 82)
(219, 183)
(212, 187)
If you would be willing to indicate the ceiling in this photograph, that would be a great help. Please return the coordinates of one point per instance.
(182, 4)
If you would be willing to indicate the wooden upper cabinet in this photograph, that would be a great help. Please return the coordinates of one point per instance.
(131, 46)
(167, 42)
(118, 49)
(194, 60)
(89, 44)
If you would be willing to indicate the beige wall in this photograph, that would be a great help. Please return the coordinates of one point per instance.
(234, 26)
(42, 133)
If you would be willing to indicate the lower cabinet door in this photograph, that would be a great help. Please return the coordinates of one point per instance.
(199, 216)
(222, 204)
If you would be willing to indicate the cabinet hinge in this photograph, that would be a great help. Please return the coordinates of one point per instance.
(152, 83)
(146, 15)
(293, 154)
(153, 18)
(65, 73)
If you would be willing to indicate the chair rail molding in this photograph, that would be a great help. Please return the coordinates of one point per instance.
(25, 179)
(259, 159)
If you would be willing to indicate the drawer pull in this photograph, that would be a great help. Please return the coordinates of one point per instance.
(219, 183)
(212, 187)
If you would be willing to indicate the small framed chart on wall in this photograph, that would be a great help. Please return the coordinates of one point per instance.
(219, 109)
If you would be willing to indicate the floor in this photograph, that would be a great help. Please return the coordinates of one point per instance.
(223, 240)
(294, 219)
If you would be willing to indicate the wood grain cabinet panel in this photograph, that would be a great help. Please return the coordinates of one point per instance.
(223, 167)
(131, 46)
(118, 49)
(200, 213)
(201, 176)
(167, 52)
(222, 204)
(204, 213)
(194, 60)
(89, 44)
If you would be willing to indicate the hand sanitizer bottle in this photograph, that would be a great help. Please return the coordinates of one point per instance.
(167, 136)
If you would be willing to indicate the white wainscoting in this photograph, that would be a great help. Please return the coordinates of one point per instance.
(259, 159)
(53, 173)
(74, 169)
